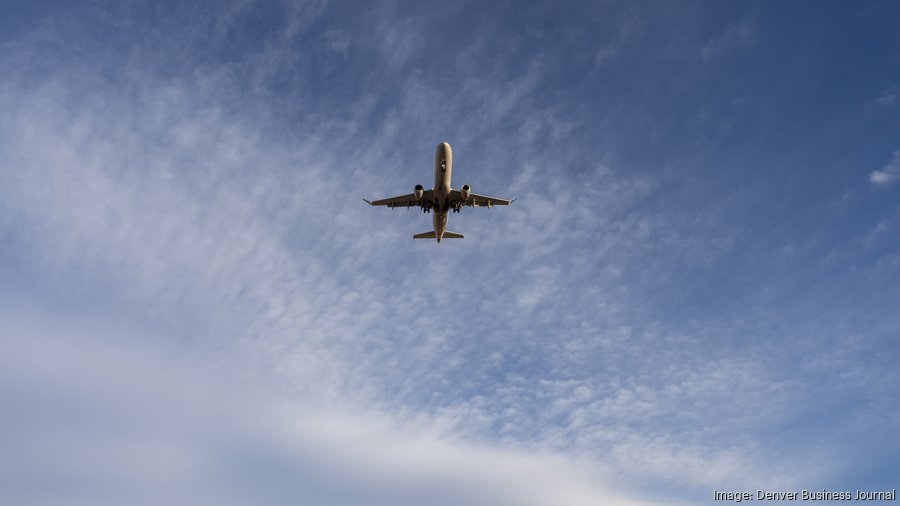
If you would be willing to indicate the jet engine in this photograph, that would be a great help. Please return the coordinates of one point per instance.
(419, 191)
(464, 192)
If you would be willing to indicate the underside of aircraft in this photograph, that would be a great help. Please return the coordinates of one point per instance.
(442, 198)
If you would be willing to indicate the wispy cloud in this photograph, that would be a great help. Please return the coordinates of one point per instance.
(167, 204)
(732, 37)
(185, 213)
(888, 98)
(888, 174)
(154, 423)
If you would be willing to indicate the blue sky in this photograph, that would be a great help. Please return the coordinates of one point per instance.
(695, 291)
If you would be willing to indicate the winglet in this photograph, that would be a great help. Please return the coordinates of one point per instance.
(367, 202)
(513, 200)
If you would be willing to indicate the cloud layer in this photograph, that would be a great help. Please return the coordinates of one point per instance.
(889, 174)
(200, 309)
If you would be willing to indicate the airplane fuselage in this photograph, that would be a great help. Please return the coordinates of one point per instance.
(443, 168)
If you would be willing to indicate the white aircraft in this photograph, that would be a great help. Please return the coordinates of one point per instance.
(442, 198)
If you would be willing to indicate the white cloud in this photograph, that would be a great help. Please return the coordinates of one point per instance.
(888, 98)
(889, 174)
(626, 26)
(147, 420)
(167, 202)
(180, 206)
(732, 37)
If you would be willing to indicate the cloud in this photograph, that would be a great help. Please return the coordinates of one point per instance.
(103, 419)
(159, 205)
(889, 174)
(627, 26)
(888, 98)
(250, 324)
(732, 37)
(149, 202)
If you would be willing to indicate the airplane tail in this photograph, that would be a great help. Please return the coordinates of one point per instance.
(432, 235)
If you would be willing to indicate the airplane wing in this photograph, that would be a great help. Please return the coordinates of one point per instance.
(476, 200)
(408, 200)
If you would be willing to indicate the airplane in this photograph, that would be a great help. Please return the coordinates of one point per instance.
(442, 198)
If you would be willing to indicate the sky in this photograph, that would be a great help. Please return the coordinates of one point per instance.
(696, 289)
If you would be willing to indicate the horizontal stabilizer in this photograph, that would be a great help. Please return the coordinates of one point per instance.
(431, 235)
